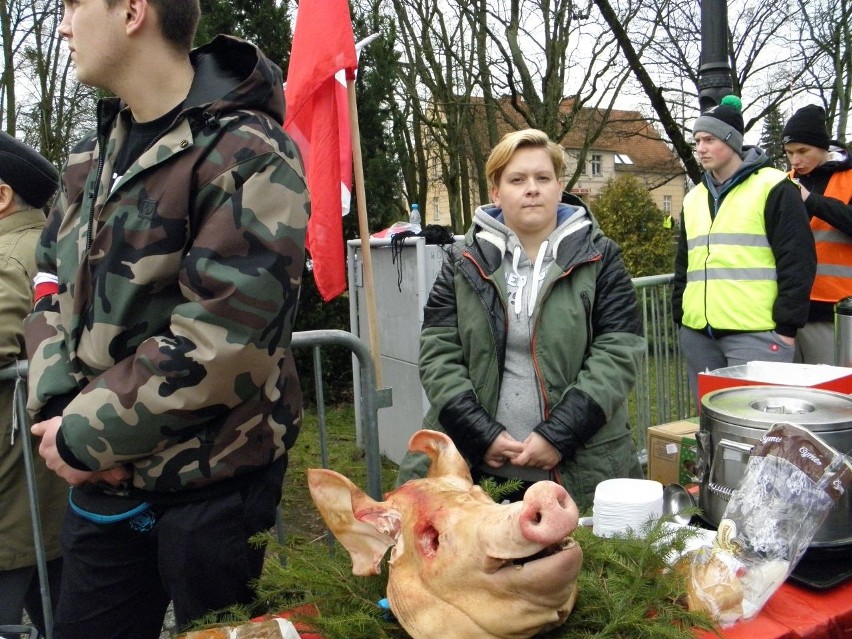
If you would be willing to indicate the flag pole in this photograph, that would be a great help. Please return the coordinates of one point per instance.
(364, 230)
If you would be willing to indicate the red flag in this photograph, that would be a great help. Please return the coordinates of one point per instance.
(322, 58)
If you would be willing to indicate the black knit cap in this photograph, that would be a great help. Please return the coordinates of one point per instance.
(807, 126)
(724, 121)
(30, 175)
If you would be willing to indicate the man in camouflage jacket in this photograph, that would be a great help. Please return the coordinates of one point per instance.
(161, 379)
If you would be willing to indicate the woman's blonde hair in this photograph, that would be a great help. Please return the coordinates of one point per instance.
(501, 154)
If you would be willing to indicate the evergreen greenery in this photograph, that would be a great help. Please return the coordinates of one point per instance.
(770, 139)
(498, 491)
(265, 22)
(377, 77)
(626, 590)
(627, 214)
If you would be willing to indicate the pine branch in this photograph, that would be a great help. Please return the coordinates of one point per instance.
(626, 589)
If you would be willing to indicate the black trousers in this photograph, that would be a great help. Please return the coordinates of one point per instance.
(118, 579)
(21, 589)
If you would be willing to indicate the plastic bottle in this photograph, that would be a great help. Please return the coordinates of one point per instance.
(414, 217)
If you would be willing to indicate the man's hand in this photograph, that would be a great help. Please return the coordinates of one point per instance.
(538, 453)
(47, 449)
(502, 449)
(113, 476)
(789, 341)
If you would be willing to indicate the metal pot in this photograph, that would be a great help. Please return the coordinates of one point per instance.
(734, 419)
(843, 332)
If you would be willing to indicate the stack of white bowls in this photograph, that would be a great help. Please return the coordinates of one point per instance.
(626, 503)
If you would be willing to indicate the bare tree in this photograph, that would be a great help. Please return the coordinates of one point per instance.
(474, 69)
(825, 39)
(41, 99)
(11, 22)
(668, 69)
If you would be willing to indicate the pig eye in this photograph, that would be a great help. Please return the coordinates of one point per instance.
(429, 541)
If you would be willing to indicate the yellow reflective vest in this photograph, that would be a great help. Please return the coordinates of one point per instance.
(731, 279)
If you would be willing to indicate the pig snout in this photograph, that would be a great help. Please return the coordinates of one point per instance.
(548, 514)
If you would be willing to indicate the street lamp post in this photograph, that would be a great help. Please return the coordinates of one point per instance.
(714, 74)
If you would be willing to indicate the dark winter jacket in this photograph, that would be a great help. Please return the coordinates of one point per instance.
(586, 342)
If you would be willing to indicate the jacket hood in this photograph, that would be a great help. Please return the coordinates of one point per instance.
(231, 73)
(489, 218)
(571, 241)
(754, 159)
(838, 158)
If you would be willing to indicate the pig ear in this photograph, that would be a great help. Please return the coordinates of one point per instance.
(447, 462)
(365, 527)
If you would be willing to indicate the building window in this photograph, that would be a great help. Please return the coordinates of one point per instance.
(597, 164)
(437, 213)
(667, 204)
(622, 158)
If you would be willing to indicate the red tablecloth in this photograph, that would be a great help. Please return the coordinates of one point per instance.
(794, 612)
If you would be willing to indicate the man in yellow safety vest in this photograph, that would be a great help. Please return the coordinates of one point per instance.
(745, 261)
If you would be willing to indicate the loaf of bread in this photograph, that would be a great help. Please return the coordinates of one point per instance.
(714, 586)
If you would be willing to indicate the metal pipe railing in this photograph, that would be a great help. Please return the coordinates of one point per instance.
(17, 372)
(661, 393)
(369, 396)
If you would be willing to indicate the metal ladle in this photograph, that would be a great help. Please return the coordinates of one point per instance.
(677, 499)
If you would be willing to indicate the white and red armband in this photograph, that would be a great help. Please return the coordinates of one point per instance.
(44, 284)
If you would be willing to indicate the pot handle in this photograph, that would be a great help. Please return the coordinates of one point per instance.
(715, 487)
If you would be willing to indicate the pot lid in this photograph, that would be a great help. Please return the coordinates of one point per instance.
(844, 306)
(759, 406)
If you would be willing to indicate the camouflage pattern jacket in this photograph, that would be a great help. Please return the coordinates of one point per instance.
(166, 297)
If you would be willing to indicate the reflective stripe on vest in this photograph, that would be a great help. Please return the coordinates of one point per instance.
(731, 279)
(833, 247)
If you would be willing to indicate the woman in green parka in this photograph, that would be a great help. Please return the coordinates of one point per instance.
(531, 335)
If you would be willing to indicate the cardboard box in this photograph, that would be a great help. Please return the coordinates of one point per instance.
(822, 376)
(672, 452)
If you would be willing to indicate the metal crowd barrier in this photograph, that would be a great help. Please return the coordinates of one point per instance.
(661, 393)
(303, 339)
(370, 401)
(17, 372)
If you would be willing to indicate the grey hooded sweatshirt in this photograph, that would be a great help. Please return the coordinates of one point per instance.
(521, 408)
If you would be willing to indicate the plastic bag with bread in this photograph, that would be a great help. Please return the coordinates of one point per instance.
(790, 484)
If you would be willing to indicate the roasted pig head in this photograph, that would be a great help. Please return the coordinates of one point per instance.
(462, 566)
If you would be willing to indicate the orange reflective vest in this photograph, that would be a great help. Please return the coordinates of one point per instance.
(833, 247)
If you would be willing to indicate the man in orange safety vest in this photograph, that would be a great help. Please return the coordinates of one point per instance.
(823, 169)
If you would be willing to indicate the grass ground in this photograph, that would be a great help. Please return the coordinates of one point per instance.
(345, 456)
